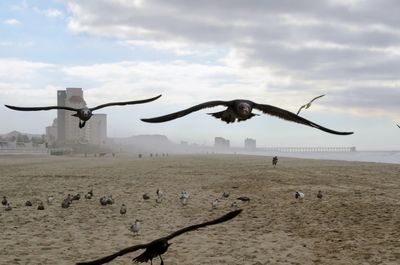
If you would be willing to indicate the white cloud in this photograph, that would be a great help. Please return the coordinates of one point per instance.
(53, 12)
(12, 22)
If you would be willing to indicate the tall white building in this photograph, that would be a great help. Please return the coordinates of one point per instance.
(68, 131)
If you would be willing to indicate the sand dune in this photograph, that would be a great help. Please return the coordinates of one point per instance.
(356, 222)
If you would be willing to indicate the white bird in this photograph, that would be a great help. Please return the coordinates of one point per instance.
(50, 199)
(184, 194)
(135, 227)
(215, 203)
(88, 196)
(234, 205)
(160, 194)
(183, 200)
(306, 106)
(299, 195)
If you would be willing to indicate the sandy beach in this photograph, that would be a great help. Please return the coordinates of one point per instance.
(356, 222)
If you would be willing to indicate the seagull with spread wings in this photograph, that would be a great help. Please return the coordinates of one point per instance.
(306, 106)
(241, 110)
(85, 113)
(159, 246)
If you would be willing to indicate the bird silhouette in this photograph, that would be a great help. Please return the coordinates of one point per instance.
(85, 113)
(159, 246)
(241, 110)
(306, 106)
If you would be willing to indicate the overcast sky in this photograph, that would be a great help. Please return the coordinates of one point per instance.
(281, 53)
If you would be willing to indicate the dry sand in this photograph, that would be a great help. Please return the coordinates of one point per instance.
(356, 222)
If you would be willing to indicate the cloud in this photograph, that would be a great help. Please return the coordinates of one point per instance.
(12, 22)
(53, 12)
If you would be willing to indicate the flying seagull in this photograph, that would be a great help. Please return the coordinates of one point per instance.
(306, 106)
(85, 113)
(241, 110)
(159, 246)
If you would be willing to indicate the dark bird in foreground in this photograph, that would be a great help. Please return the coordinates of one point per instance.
(85, 113)
(159, 246)
(306, 106)
(241, 110)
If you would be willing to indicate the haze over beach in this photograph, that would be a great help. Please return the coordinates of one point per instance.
(276, 122)
(283, 54)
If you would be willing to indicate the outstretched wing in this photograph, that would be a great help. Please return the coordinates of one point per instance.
(109, 258)
(185, 112)
(39, 108)
(125, 103)
(316, 98)
(302, 107)
(398, 125)
(289, 116)
(221, 219)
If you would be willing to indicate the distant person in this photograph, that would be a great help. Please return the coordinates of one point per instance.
(274, 161)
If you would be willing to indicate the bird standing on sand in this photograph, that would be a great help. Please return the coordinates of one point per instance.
(146, 197)
(85, 113)
(306, 106)
(4, 201)
(215, 203)
(319, 194)
(50, 199)
(40, 206)
(103, 200)
(122, 211)
(135, 227)
(8, 207)
(159, 246)
(88, 196)
(225, 194)
(28, 203)
(299, 195)
(241, 110)
(66, 203)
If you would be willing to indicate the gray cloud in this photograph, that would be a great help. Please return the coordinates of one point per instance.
(315, 44)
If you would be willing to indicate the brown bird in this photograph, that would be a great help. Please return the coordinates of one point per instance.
(40, 206)
(122, 211)
(4, 201)
(306, 106)
(85, 113)
(241, 110)
(159, 246)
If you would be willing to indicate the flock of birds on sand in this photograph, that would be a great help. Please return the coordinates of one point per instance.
(236, 110)
(159, 246)
(154, 248)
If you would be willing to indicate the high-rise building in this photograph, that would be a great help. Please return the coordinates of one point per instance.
(61, 96)
(96, 130)
(68, 131)
(250, 143)
(220, 142)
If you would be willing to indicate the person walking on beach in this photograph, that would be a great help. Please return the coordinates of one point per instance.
(274, 161)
